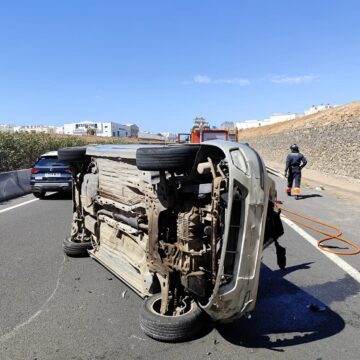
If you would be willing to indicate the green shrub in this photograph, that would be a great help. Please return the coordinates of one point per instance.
(21, 150)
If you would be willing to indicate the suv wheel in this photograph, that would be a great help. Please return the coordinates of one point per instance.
(172, 158)
(75, 248)
(39, 194)
(169, 328)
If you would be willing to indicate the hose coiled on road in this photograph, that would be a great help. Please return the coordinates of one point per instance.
(328, 235)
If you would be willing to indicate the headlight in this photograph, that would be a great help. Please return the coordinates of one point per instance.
(239, 161)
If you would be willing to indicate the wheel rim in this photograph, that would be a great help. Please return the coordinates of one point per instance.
(181, 310)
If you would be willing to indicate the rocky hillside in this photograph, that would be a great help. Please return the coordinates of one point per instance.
(330, 140)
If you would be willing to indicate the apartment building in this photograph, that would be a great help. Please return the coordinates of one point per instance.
(109, 128)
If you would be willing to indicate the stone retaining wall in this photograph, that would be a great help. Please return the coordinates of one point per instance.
(332, 148)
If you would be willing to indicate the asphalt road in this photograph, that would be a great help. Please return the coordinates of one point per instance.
(54, 307)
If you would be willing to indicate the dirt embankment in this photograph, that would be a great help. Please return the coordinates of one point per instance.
(330, 140)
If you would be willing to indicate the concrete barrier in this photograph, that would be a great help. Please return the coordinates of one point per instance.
(14, 183)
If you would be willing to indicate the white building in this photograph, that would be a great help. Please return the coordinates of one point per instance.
(247, 124)
(169, 136)
(276, 118)
(151, 136)
(59, 130)
(316, 108)
(36, 129)
(134, 130)
(99, 128)
(6, 128)
(227, 125)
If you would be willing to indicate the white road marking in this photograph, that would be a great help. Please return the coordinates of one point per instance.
(355, 274)
(18, 205)
(17, 328)
(137, 337)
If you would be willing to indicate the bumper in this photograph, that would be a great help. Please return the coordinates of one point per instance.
(61, 186)
(238, 295)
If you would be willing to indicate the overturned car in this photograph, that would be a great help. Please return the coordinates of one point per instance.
(183, 225)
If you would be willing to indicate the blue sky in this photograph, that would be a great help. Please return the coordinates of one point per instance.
(161, 63)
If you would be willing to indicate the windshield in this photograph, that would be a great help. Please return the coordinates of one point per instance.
(214, 136)
(52, 162)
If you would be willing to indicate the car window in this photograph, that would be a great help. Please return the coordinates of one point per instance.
(51, 162)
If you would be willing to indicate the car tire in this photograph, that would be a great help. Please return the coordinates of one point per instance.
(39, 194)
(72, 154)
(172, 158)
(169, 328)
(76, 249)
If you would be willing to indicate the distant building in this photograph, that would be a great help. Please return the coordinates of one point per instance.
(248, 124)
(316, 108)
(273, 119)
(36, 129)
(227, 125)
(276, 118)
(169, 136)
(134, 130)
(6, 128)
(59, 130)
(151, 136)
(110, 129)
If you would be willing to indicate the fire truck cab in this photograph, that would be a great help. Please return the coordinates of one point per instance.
(201, 131)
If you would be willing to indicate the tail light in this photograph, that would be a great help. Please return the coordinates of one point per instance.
(35, 171)
(69, 171)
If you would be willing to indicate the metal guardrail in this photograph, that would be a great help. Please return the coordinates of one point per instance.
(275, 172)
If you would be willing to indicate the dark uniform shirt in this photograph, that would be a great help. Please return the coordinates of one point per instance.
(295, 162)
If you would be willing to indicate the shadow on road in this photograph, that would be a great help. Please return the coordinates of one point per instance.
(58, 196)
(282, 317)
(303, 197)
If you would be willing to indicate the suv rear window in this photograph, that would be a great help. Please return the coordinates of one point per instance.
(51, 162)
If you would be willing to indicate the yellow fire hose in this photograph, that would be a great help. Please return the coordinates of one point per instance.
(328, 236)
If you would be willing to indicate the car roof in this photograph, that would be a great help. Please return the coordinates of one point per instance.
(50, 153)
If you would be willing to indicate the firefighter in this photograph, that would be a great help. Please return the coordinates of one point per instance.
(295, 161)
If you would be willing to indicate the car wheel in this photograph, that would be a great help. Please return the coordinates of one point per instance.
(72, 154)
(75, 248)
(169, 328)
(39, 195)
(172, 158)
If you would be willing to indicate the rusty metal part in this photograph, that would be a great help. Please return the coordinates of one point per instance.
(184, 248)
(214, 222)
(164, 284)
(90, 224)
(189, 228)
(153, 208)
(129, 220)
(212, 168)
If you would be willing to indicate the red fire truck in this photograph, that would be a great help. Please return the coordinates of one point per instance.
(201, 131)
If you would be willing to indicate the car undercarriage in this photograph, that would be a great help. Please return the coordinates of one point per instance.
(183, 226)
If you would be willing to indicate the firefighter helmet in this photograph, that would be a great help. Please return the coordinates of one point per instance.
(294, 148)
